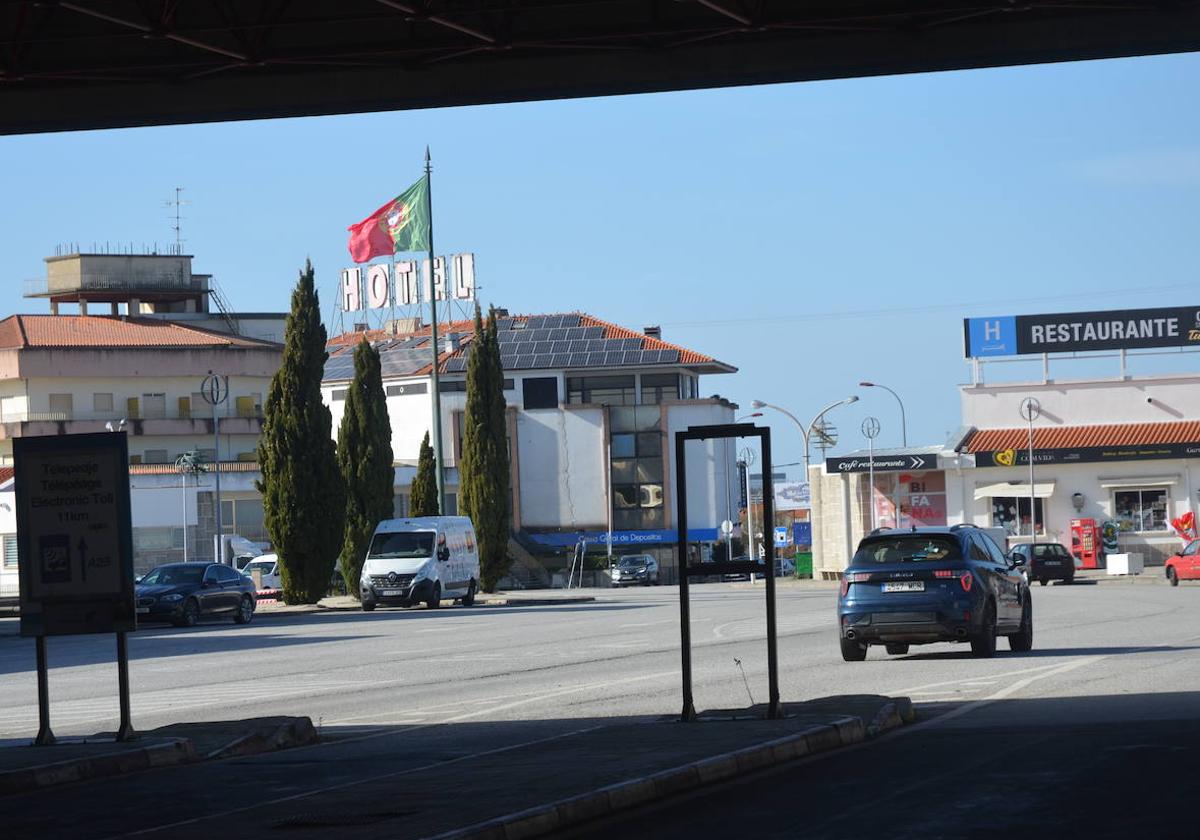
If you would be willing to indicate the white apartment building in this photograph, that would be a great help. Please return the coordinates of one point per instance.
(593, 408)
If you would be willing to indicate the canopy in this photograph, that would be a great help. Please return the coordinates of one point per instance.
(1041, 489)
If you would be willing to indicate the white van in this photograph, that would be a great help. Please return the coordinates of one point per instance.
(421, 560)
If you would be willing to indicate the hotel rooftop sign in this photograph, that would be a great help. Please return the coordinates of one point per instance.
(1073, 332)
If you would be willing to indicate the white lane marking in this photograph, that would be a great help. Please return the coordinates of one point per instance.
(962, 680)
(345, 785)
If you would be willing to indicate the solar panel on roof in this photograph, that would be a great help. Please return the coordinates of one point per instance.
(542, 360)
(507, 336)
(577, 360)
(541, 347)
(503, 324)
(558, 334)
(570, 321)
(593, 332)
(613, 357)
(669, 356)
(559, 360)
(523, 362)
(455, 365)
(595, 345)
(595, 359)
(534, 323)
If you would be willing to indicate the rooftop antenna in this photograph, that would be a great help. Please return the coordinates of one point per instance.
(176, 205)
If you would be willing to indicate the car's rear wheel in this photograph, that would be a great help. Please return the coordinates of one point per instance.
(1172, 576)
(469, 599)
(245, 611)
(1022, 640)
(853, 651)
(435, 600)
(190, 615)
(1044, 581)
(983, 643)
(897, 649)
(367, 606)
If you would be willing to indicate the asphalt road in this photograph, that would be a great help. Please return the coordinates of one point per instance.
(1107, 659)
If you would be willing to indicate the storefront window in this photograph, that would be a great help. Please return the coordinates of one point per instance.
(1141, 510)
(636, 450)
(1012, 514)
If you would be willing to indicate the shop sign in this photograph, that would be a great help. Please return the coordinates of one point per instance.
(1087, 454)
(1074, 332)
(881, 463)
(792, 495)
(664, 536)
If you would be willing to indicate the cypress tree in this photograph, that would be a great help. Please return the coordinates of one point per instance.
(423, 500)
(304, 500)
(364, 454)
(484, 467)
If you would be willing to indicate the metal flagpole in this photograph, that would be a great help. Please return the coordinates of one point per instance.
(433, 324)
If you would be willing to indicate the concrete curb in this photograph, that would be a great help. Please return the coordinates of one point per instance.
(631, 793)
(309, 609)
(174, 751)
(297, 732)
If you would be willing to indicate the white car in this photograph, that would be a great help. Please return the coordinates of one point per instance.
(267, 565)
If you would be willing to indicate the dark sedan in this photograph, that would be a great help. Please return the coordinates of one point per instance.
(1045, 562)
(184, 593)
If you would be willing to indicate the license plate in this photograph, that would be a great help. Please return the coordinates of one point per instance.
(905, 586)
(391, 593)
(143, 609)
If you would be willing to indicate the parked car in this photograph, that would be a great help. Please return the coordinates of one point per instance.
(1045, 562)
(185, 593)
(267, 565)
(925, 585)
(420, 560)
(1185, 565)
(640, 569)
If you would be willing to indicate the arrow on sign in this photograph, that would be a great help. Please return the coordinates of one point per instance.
(917, 462)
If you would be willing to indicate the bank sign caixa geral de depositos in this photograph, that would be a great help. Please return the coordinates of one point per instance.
(1074, 332)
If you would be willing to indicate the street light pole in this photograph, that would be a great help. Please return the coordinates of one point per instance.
(806, 431)
(1031, 409)
(903, 421)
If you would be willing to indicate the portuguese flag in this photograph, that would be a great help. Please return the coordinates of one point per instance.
(400, 225)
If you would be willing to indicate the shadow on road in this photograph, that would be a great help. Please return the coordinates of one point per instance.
(1038, 653)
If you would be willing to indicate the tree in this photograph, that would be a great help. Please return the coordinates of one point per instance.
(304, 500)
(484, 467)
(364, 453)
(423, 500)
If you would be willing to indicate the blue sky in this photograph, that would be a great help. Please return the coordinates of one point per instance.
(813, 235)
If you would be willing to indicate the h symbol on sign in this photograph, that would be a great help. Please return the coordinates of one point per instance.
(991, 330)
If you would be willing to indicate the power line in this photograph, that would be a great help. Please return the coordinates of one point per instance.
(891, 311)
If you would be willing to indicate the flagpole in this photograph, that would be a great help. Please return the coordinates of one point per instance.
(438, 460)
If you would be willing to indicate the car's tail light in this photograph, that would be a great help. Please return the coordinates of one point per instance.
(966, 580)
(853, 577)
(845, 585)
(944, 573)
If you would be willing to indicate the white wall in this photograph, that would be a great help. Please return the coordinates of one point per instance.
(708, 466)
(1084, 403)
(562, 462)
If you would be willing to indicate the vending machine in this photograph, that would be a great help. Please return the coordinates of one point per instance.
(1086, 544)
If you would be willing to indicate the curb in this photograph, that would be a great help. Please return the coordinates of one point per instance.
(310, 609)
(297, 732)
(175, 751)
(631, 793)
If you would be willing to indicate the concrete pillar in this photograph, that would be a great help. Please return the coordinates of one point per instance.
(53, 307)
(82, 307)
(114, 306)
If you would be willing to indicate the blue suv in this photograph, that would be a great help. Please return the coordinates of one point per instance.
(928, 585)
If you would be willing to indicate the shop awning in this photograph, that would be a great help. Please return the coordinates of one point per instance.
(1139, 481)
(1041, 489)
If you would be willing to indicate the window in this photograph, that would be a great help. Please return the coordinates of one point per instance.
(601, 390)
(102, 403)
(410, 388)
(1141, 510)
(450, 386)
(1012, 514)
(636, 453)
(906, 549)
(61, 405)
(659, 387)
(10, 551)
(225, 574)
(243, 517)
(155, 456)
(339, 394)
(154, 406)
(198, 406)
(540, 392)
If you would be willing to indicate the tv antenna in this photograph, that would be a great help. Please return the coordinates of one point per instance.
(176, 205)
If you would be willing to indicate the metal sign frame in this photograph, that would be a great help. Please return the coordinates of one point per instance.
(687, 570)
(77, 489)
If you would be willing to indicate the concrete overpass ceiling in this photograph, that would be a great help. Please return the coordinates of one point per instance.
(82, 64)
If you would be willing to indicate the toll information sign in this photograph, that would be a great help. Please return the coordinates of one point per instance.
(74, 534)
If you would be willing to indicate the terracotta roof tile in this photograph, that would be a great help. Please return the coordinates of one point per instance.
(1072, 437)
(73, 331)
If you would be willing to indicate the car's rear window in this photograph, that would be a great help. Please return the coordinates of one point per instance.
(908, 548)
(1053, 550)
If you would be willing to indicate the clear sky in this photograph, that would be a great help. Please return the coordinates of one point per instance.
(814, 235)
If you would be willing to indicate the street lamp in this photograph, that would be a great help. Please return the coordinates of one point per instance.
(903, 422)
(805, 430)
(745, 461)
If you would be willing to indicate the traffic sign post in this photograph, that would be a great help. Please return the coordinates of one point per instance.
(75, 549)
(215, 391)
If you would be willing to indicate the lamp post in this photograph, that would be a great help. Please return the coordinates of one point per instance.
(870, 430)
(903, 422)
(188, 464)
(1031, 409)
(215, 390)
(746, 460)
(806, 430)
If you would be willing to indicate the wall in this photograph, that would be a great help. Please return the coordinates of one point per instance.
(562, 455)
(1084, 403)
